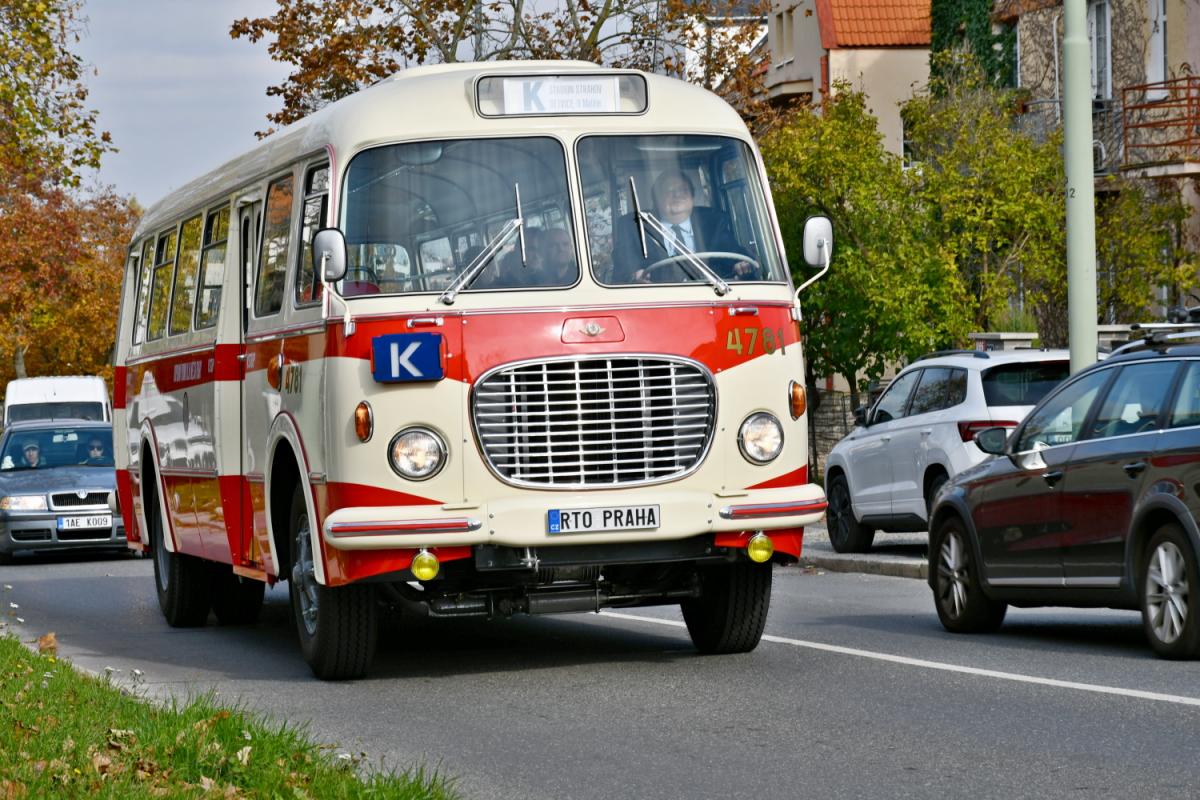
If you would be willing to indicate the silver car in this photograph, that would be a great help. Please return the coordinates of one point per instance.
(55, 478)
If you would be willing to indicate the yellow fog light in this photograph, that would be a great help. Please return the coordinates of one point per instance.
(425, 566)
(760, 548)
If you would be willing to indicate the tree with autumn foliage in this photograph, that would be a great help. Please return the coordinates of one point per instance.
(340, 46)
(63, 248)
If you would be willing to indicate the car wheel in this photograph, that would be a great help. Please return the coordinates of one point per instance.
(935, 485)
(731, 612)
(182, 581)
(958, 592)
(846, 534)
(235, 600)
(337, 627)
(1168, 573)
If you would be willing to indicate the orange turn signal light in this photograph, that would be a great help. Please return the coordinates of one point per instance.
(797, 399)
(364, 421)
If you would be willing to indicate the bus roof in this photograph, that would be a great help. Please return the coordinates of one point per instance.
(437, 102)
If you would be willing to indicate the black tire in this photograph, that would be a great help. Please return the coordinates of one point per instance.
(235, 600)
(338, 628)
(1169, 570)
(6, 558)
(958, 594)
(731, 612)
(939, 480)
(846, 534)
(182, 581)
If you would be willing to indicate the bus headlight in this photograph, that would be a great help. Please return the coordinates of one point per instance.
(760, 438)
(23, 502)
(417, 453)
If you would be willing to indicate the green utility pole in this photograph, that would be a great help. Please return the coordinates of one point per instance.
(1081, 206)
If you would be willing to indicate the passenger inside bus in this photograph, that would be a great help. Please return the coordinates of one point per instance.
(549, 261)
(699, 229)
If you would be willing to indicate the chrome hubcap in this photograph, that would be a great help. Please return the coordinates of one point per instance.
(304, 578)
(952, 573)
(1167, 592)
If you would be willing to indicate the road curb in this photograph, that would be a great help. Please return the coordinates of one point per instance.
(891, 567)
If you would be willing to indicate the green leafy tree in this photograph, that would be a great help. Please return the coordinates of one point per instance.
(967, 26)
(890, 296)
(993, 195)
(47, 132)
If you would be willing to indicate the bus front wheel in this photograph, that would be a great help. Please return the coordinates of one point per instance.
(336, 626)
(731, 611)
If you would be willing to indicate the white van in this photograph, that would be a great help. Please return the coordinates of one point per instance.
(57, 397)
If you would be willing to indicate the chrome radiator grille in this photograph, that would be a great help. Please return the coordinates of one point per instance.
(594, 422)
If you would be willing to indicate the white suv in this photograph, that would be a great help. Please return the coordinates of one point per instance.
(884, 474)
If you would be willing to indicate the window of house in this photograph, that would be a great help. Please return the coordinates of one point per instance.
(1156, 47)
(1099, 35)
(212, 268)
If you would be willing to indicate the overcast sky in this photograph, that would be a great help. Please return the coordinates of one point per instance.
(177, 94)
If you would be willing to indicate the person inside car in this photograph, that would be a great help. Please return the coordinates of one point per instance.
(31, 455)
(97, 455)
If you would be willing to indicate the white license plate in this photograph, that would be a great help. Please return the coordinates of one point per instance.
(612, 518)
(73, 523)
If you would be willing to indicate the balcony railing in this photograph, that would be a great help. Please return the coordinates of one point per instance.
(1042, 117)
(1162, 123)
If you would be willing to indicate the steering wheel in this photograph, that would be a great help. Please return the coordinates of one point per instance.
(361, 275)
(686, 261)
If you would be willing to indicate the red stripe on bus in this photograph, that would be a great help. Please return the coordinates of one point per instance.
(347, 566)
(125, 501)
(175, 372)
(119, 388)
(797, 477)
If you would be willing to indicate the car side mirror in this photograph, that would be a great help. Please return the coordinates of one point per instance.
(329, 254)
(860, 416)
(992, 440)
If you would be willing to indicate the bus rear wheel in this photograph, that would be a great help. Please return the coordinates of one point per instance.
(337, 626)
(182, 581)
(731, 612)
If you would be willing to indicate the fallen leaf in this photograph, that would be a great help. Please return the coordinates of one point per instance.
(101, 763)
(243, 755)
(11, 790)
(48, 644)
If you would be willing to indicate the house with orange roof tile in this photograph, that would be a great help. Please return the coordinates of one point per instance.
(880, 46)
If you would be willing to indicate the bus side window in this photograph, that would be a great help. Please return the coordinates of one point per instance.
(185, 276)
(212, 268)
(160, 285)
(316, 203)
(272, 261)
(142, 309)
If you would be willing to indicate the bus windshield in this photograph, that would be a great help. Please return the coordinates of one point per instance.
(655, 205)
(418, 214)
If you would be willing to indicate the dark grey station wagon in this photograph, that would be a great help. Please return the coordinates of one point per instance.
(1092, 501)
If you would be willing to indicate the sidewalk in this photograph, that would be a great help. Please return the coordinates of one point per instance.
(900, 555)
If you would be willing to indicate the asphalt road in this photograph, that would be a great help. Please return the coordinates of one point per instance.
(857, 691)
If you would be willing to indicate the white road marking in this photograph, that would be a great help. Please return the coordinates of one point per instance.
(924, 664)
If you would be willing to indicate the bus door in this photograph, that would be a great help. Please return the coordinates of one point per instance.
(249, 237)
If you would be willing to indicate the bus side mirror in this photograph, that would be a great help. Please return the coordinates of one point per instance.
(818, 241)
(818, 248)
(329, 254)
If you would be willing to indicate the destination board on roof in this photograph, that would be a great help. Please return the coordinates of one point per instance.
(561, 95)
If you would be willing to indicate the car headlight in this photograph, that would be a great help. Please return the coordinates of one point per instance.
(417, 453)
(23, 502)
(760, 438)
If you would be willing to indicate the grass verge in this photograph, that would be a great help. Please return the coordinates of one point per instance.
(66, 734)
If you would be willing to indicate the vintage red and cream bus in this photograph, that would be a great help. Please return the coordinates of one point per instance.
(452, 345)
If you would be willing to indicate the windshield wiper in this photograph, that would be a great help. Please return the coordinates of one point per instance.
(646, 218)
(468, 275)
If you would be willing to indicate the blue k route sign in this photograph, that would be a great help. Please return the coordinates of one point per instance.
(400, 357)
